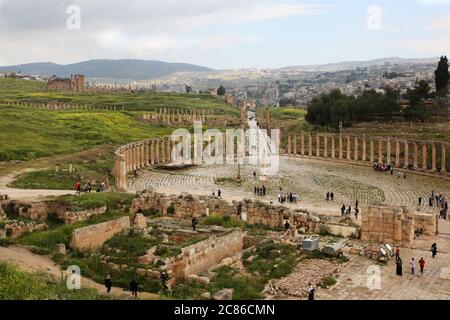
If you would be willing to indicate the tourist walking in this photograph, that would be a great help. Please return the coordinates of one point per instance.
(332, 196)
(164, 278)
(311, 292)
(356, 213)
(78, 188)
(328, 196)
(421, 264)
(287, 225)
(343, 210)
(434, 250)
(194, 223)
(134, 287)
(413, 265)
(399, 269)
(420, 202)
(397, 253)
(219, 194)
(108, 283)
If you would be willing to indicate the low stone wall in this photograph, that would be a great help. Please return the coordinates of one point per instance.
(93, 237)
(426, 223)
(71, 217)
(15, 229)
(202, 255)
(393, 225)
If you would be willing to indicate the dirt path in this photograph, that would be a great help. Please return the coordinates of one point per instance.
(9, 172)
(30, 262)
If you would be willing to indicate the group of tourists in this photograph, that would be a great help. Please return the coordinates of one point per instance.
(290, 197)
(260, 190)
(383, 167)
(134, 285)
(436, 199)
(219, 194)
(413, 265)
(88, 187)
(330, 196)
(347, 212)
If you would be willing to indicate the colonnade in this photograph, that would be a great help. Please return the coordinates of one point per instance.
(62, 106)
(402, 153)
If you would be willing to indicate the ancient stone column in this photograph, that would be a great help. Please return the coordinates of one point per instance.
(406, 164)
(310, 145)
(289, 145)
(157, 159)
(356, 155)
(443, 163)
(416, 156)
(295, 144)
(388, 152)
(371, 151)
(341, 151)
(302, 146)
(146, 152)
(152, 152)
(349, 157)
(333, 147)
(163, 150)
(364, 149)
(380, 150)
(325, 146)
(169, 150)
(433, 157)
(424, 157)
(317, 145)
(137, 158)
(397, 153)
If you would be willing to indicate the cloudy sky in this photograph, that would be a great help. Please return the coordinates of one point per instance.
(222, 33)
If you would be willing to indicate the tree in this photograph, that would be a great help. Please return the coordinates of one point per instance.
(188, 89)
(442, 77)
(221, 91)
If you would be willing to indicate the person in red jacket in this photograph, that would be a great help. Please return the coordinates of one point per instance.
(421, 264)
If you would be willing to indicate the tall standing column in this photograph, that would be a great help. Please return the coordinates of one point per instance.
(349, 157)
(163, 150)
(169, 150)
(364, 147)
(289, 145)
(310, 145)
(424, 157)
(356, 155)
(371, 151)
(325, 146)
(406, 164)
(416, 157)
(433, 158)
(152, 152)
(388, 151)
(380, 150)
(397, 153)
(147, 160)
(341, 151)
(317, 145)
(443, 163)
(157, 160)
(333, 147)
(302, 146)
(295, 144)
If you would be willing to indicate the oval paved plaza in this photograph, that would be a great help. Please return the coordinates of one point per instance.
(310, 178)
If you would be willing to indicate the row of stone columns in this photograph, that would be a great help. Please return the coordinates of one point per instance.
(140, 155)
(383, 152)
(56, 106)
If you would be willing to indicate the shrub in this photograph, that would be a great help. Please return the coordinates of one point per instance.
(328, 282)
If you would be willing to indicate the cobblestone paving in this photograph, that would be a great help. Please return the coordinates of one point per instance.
(352, 281)
(311, 179)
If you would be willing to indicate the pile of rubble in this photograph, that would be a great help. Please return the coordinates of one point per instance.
(312, 271)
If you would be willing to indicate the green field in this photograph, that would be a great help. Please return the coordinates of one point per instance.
(33, 133)
(35, 92)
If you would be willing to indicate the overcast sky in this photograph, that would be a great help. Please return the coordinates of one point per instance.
(222, 33)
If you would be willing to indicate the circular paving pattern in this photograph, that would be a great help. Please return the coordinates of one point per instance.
(310, 178)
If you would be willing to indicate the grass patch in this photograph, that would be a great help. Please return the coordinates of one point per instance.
(223, 221)
(328, 282)
(19, 285)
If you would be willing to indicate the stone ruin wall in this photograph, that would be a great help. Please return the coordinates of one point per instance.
(395, 225)
(210, 252)
(186, 206)
(93, 237)
(427, 224)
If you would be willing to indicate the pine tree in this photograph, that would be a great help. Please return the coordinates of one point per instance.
(442, 77)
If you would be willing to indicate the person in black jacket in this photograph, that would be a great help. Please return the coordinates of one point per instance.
(134, 287)
(108, 283)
